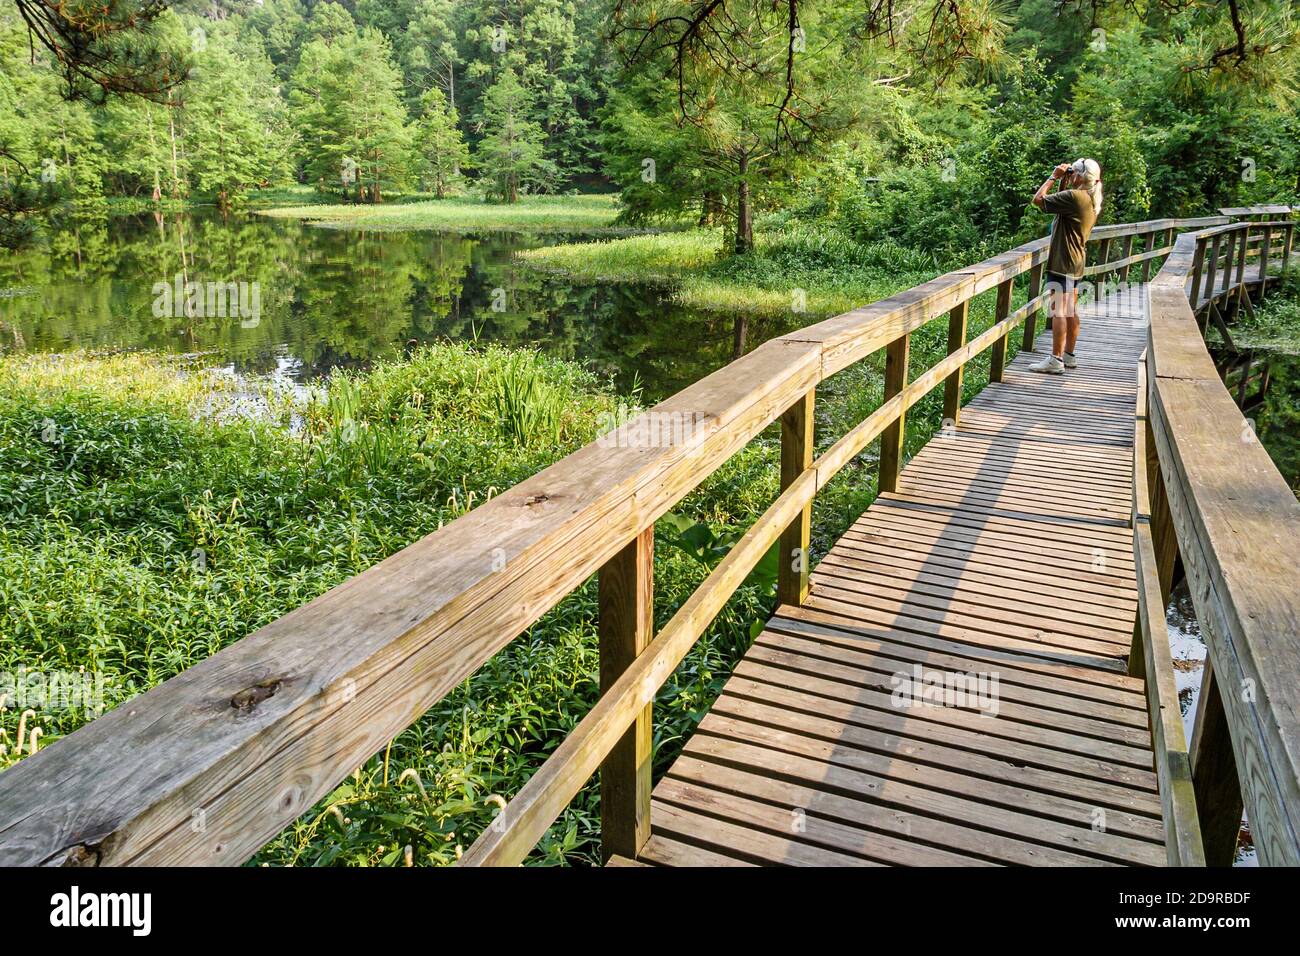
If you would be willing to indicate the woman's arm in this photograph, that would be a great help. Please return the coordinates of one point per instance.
(1044, 189)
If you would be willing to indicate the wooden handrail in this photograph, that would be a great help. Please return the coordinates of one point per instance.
(1151, 658)
(1220, 274)
(208, 766)
(1243, 211)
(1234, 521)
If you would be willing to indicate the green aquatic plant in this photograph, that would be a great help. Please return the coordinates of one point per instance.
(528, 409)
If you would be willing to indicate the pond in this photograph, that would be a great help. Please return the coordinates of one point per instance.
(303, 300)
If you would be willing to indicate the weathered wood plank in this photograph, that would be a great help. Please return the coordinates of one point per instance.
(957, 320)
(1169, 741)
(998, 355)
(1237, 522)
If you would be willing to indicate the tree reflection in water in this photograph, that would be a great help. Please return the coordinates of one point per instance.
(332, 297)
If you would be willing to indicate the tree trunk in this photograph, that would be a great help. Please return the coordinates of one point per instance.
(153, 156)
(744, 215)
(739, 332)
(171, 135)
(709, 207)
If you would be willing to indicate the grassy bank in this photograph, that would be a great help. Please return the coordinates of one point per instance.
(1275, 324)
(142, 529)
(535, 214)
(792, 270)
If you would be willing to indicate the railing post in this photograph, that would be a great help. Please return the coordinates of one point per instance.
(1164, 538)
(891, 439)
(1198, 273)
(1148, 244)
(796, 458)
(626, 626)
(1242, 298)
(1212, 276)
(1286, 251)
(1103, 256)
(1031, 319)
(1241, 255)
(1126, 251)
(1214, 775)
(1265, 248)
(952, 384)
(998, 354)
(1230, 267)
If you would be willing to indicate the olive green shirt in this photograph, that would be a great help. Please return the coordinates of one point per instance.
(1074, 221)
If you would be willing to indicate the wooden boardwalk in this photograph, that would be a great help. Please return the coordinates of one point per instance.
(1005, 554)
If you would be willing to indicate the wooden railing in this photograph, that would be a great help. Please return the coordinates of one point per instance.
(1208, 498)
(1221, 273)
(208, 766)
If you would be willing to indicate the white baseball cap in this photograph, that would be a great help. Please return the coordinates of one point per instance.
(1089, 169)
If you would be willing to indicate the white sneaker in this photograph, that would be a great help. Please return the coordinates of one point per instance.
(1070, 361)
(1049, 366)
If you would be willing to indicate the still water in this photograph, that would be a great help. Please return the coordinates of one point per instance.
(327, 298)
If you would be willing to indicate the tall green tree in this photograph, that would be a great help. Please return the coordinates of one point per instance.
(511, 156)
(347, 107)
(760, 86)
(551, 46)
(236, 129)
(439, 144)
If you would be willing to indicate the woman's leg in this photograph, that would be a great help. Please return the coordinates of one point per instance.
(1060, 307)
(1072, 321)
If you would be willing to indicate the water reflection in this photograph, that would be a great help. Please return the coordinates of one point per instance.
(331, 298)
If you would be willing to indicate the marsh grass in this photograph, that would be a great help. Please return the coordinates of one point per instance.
(532, 214)
(528, 408)
(818, 272)
(1276, 323)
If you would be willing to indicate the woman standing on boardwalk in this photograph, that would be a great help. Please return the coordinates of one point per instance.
(1076, 205)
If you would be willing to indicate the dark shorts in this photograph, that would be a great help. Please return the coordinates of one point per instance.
(1056, 282)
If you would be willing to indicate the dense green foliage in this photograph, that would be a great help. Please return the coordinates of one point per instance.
(342, 96)
(931, 139)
